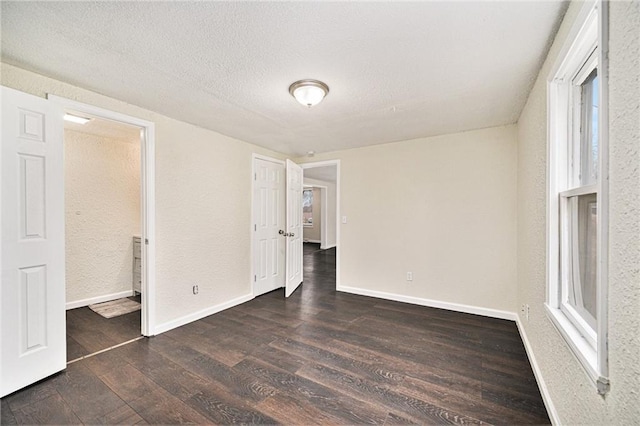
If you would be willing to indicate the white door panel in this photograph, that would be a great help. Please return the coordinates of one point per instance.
(294, 227)
(32, 293)
(269, 218)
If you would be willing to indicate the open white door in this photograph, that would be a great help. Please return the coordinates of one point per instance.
(32, 292)
(268, 226)
(294, 227)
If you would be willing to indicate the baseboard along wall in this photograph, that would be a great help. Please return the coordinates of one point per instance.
(98, 299)
(487, 312)
(178, 322)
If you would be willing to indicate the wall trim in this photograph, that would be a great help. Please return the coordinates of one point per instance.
(178, 322)
(468, 309)
(544, 390)
(99, 299)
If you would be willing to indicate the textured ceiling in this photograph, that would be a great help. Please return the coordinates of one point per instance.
(397, 70)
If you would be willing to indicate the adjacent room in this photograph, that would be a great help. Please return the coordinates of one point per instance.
(102, 233)
(320, 212)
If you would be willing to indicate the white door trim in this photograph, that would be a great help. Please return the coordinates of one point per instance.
(148, 200)
(252, 257)
(338, 210)
(323, 218)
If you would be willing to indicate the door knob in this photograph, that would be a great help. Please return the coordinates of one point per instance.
(292, 234)
(281, 232)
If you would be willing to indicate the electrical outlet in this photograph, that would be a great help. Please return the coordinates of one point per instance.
(523, 308)
(527, 312)
(409, 276)
(195, 289)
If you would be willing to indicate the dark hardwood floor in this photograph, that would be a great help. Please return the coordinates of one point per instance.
(317, 357)
(88, 332)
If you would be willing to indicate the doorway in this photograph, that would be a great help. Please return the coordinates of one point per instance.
(323, 180)
(132, 250)
(103, 260)
(268, 225)
(276, 225)
(33, 238)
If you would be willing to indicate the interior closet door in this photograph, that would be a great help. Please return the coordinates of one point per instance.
(32, 293)
(269, 218)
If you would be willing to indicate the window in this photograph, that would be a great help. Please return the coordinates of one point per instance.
(307, 207)
(577, 213)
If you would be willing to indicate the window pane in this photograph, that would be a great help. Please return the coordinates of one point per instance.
(307, 206)
(589, 131)
(583, 294)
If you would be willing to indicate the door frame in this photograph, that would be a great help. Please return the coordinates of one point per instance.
(252, 222)
(329, 163)
(147, 199)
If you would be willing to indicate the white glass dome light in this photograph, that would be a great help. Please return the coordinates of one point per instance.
(309, 92)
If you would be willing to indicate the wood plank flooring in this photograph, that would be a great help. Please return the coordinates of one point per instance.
(319, 357)
(88, 332)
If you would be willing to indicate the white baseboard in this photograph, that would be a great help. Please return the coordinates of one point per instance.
(327, 247)
(98, 299)
(544, 391)
(178, 322)
(313, 241)
(477, 310)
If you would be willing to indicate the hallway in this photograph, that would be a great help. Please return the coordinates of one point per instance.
(317, 357)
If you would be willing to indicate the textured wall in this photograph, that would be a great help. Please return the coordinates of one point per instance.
(313, 232)
(572, 393)
(203, 203)
(443, 208)
(102, 210)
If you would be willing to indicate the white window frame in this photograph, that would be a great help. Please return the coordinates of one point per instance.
(586, 47)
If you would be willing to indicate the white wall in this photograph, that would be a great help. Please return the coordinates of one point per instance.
(203, 205)
(443, 208)
(312, 233)
(572, 394)
(102, 210)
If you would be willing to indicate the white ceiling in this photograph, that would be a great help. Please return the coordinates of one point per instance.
(396, 70)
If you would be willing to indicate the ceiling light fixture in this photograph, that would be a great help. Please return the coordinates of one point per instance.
(309, 92)
(75, 119)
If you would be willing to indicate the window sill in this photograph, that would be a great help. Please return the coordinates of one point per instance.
(581, 349)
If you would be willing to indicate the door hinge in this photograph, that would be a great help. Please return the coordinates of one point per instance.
(146, 241)
(255, 227)
(255, 176)
(255, 278)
